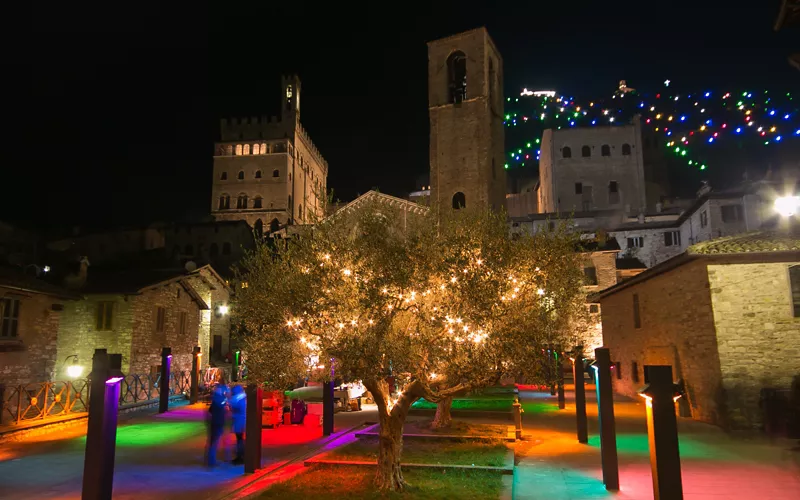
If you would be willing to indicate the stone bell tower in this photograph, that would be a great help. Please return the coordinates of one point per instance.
(465, 106)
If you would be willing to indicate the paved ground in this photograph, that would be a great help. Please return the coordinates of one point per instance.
(554, 466)
(158, 456)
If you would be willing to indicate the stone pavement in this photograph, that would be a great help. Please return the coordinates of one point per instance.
(157, 456)
(552, 465)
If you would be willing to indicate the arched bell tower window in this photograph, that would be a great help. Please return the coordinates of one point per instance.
(459, 201)
(457, 76)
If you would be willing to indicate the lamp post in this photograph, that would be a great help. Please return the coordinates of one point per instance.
(74, 370)
(605, 413)
(662, 433)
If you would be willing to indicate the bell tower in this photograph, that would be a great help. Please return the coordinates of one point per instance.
(290, 95)
(465, 107)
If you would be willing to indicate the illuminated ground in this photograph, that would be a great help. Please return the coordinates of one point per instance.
(158, 456)
(554, 466)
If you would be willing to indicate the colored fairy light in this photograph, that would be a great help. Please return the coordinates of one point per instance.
(772, 113)
(786, 116)
(778, 139)
(738, 130)
(710, 139)
(707, 94)
(683, 118)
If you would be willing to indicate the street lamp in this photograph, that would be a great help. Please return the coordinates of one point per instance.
(74, 370)
(787, 206)
(222, 310)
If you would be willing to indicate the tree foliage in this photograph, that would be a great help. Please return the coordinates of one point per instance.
(442, 305)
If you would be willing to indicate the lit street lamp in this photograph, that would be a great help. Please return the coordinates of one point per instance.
(787, 206)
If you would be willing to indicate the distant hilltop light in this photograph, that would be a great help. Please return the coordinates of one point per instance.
(538, 93)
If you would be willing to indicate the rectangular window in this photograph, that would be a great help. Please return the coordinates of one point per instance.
(635, 371)
(672, 238)
(9, 318)
(637, 320)
(105, 313)
(161, 315)
(618, 369)
(182, 324)
(636, 242)
(578, 188)
(594, 308)
(732, 213)
(794, 279)
(613, 193)
(703, 218)
(590, 275)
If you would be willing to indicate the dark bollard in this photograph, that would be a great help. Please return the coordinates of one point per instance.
(562, 402)
(2, 402)
(578, 370)
(94, 456)
(112, 390)
(327, 408)
(605, 413)
(195, 375)
(252, 444)
(163, 383)
(662, 433)
(235, 366)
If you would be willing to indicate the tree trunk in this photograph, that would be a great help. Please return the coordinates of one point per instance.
(389, 476)
(390, 447)
(443, 418)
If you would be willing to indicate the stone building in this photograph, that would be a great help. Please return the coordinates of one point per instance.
(222, 243)
(137, 312)
(267, 171)
(465, 107)
(30, 315)
(111, 245)
(725, 315)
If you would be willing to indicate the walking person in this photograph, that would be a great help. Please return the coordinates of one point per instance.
(238, 404)
(216, 423)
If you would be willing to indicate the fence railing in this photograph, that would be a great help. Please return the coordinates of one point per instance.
(49, 400)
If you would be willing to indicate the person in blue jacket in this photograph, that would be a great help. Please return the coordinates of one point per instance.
(216, 422)
(238, 404)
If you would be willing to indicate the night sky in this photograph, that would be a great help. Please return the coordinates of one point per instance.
(116, 111)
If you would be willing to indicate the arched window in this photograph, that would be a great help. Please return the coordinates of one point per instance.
(566, 152)
(263, 148)
(586, 151)
(229, 150)
(238, 150)
(274, 225)
(258, 174)
(276, 173)
(257, 202)
(457, 76)
(258, 228)
(189, 250)
(224, 202)
(605, 150)
(300, 212)
(459, 201)
(246, 149)
(241, 201)
(223, 176)
(290, 177)
(213, 250)
(626, 149)
(226, 248)
(241, 175)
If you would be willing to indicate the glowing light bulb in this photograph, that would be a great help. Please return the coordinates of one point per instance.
(347, 272)
(540, 291)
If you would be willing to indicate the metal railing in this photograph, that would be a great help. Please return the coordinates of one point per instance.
(50, 400)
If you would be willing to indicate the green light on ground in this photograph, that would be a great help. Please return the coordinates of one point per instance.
(158, 433)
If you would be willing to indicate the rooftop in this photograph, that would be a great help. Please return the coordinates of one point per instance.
(757, 241)
(15, 278)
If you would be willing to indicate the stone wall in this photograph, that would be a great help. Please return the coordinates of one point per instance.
(146, 342)
(591, 328)
(215, 294)
(677, 328)
(758, 337)
(78, 333)
(32, 356)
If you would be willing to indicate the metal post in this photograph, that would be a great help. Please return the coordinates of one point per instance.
(195, 378)
(2, 402)
(662, 434)
(111, 404)
(94, 456)
(580, 396)
(562, 403)
(252, 445)
(605, 413)
(163, 385)
(517, 412)
(327, 408)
